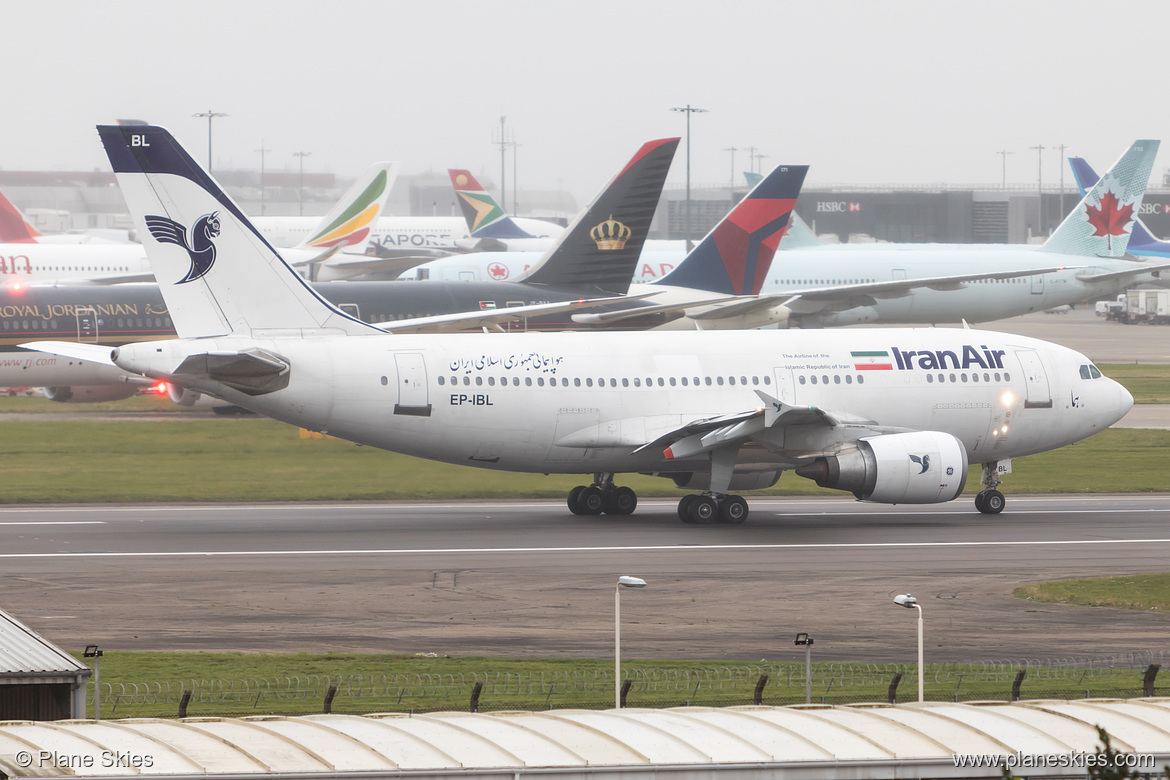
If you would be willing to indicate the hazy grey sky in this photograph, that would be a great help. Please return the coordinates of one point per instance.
(870, 91)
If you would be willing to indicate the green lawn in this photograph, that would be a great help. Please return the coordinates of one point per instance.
(1147, 592)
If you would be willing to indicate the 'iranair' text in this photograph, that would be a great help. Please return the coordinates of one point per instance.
(971, 357)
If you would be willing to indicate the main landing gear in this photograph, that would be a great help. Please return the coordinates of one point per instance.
(602, 496)
(713, 507)
(990, 501)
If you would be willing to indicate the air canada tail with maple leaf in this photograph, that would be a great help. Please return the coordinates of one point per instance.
(1101, 224)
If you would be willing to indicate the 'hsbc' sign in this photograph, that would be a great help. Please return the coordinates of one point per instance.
(837, 206)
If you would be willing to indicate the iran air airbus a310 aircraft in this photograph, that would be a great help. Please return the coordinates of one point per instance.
(891, 415)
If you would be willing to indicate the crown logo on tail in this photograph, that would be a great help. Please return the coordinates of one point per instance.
(610, 234)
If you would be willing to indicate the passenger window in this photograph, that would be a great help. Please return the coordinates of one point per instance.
(800, 379)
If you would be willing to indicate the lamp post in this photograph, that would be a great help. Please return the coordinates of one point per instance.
(806, 640)
(210, 115)
(1004, 153)
(1061, 147)
(731, 181)
(92, 651)
(688, 110)
(262, 150)
(623, 582)
(1039, 188)
(301, 188)
(909, 602)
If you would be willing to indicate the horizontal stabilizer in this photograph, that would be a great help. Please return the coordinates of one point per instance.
(94, 353)
(1140, 270)
(252, 371)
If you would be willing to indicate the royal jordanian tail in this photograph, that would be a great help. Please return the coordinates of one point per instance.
(350, 220)
(734, 258)
(1101, 223)
(601, 247)
(1141, 241)
(216, 273)
(485, 218)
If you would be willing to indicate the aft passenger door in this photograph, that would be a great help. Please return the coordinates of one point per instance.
(413, 397)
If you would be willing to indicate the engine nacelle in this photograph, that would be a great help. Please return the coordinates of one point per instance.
(740, 480)
(89, 394)
(182, 396)
(923, 467)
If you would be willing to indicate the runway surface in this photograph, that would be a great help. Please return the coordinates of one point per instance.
(529, 579)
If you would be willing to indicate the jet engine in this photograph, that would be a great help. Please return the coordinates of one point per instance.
(740, 480)
(923, 467)
(89, 394)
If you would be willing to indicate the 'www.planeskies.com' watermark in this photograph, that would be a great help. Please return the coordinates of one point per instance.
(1074, 759)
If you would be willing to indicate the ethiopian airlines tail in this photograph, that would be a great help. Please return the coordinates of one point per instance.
(1141, 241)
(735, 257)
(14, 228)
(485, 218)
(216, 273)
(349, 222)
(1101, 223)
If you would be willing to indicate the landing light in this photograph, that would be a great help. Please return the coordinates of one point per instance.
(1008, 398)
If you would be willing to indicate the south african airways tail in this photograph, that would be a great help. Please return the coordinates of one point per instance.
(485, 218)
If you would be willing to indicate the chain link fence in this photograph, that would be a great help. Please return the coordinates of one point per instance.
(832, 683)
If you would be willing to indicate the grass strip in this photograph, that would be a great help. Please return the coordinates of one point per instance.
(1145, 592)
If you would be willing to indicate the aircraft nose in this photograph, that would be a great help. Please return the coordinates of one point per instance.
(1125, 399)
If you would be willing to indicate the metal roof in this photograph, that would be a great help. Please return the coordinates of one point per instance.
(24, 652)
(907, 740)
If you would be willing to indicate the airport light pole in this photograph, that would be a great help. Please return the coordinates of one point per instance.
(301, 188)
(909, 602)
(1004, 153)
(262, 150)
(688, 110)
(731, 181)
(1039, 188)
(807, 641)
(623, 582)
(210, 115)
(1061, 147)
(92, 651)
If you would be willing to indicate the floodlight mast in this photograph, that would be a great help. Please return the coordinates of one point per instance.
(909, 602)
(623, 582)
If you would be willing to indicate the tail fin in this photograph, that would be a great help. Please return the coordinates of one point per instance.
(600, 248)
(14, 228)
(1101, 223)
(485, 218)
(1141, 241)
(216, 273)
(735, 257)
(350, 220)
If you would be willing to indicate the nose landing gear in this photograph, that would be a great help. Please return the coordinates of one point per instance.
(990, 501)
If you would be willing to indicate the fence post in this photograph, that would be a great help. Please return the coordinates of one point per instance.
(1016, 684)
(759, 696)
(1148, 682)
(329, 694)
(475, 696)
(183, 703)
(894, 688)
(625, 690)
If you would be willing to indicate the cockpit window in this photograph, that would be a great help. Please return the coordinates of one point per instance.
(1093, 370)
(1090, 372)
(1085, 373)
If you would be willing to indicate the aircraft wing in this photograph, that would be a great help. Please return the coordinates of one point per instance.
(94, 353)
(493, 318)
(1140, 270)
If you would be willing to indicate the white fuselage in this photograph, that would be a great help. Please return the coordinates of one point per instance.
(583, 402)
(396, 233)
(840, 265)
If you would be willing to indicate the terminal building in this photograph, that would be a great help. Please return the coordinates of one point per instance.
(59, 201)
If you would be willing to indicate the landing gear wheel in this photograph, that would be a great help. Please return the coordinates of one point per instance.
(734, 510)
(993, 502)
(704, 509)
(621, 501)
(574, 498)
(684, 508)
(591, 501)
